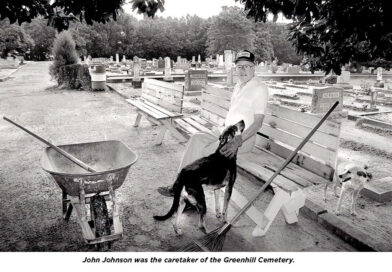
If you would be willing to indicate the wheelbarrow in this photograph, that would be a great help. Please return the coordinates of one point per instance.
(111, 160)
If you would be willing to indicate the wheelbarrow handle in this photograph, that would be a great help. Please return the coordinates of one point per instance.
(61, 151)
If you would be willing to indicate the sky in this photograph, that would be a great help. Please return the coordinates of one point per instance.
(201, 8)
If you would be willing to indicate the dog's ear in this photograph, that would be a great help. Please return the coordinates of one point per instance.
(365, 167)
(241, 125)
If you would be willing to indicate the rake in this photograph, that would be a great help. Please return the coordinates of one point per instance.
(214, 240)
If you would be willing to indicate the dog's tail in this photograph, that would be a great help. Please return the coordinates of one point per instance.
(177, 188)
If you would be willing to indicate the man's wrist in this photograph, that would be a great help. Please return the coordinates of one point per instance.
(239, 140)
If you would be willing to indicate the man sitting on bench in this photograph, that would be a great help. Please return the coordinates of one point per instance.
(248, 103)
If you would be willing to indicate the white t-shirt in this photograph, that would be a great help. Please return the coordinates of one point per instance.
(247, 101)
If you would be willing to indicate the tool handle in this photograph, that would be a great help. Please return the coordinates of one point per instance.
(61, 151)
(285, 163)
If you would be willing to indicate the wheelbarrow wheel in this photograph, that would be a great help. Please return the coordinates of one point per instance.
(101, 219)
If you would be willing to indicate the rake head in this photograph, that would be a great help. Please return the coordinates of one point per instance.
(211, 242)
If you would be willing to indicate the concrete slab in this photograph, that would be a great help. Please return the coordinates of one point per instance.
(379, 190)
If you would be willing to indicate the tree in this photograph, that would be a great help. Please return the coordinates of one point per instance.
(64, 53)
(331, 33)
(230, 30)
(61, 12)
(264, 49)
(284, 50)
(43, 37)
(13, 39)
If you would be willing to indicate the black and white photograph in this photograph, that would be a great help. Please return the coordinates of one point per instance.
(169, 126)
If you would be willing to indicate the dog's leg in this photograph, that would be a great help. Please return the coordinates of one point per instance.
(355, 197)
(335, 187)
(338, 206)
(180, 209)
(217, 203)
(325, 191)
(229, 190)
(201, 208)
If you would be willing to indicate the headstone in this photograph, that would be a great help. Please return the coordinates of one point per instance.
(154, 63)
(143, 63)
(111, 59)
(193, 63)
(167, 76)
(178, 59)
(136, 81)
(124, 59)
(217, 59)
(117, 58)
(344, 77)
(195, 80)
(221, 62)
(199, 59)
(294, 70)
(161, 63)
(228, 60)
(183, 65)
(324, 97)
(261, 69)
(379, 74)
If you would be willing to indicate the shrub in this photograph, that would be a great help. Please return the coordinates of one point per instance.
(64, 53)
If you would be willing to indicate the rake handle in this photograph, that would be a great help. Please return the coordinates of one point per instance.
(61, 151)
(277, 172)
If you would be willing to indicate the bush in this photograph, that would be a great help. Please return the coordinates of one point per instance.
(64, 53)
(74, 76)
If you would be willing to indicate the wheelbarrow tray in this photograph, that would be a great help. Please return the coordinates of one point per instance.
(106, 157)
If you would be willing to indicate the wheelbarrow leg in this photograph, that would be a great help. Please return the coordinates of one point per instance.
(118, 229)
(67, 207)
(79, 204)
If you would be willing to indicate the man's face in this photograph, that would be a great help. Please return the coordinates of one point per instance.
(245, 70)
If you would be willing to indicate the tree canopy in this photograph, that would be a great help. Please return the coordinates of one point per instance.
(331, 33)
(230, 30)
(61, 12)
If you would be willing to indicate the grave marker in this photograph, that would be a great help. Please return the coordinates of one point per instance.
(379, 74)
(194, 81)
(324, 97)
(344, 77)
(221, 62)
(161, 63)
(293, 70)
(167, 76)
(117, 58)
(154, 63)
(136, 81)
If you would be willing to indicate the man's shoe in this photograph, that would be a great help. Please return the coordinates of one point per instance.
(166, 191)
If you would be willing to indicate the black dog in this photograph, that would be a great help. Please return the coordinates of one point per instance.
(211, 171)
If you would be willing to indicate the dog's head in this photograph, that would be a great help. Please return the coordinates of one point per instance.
(352, 171)
(229, 133)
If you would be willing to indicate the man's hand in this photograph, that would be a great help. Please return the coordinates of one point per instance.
(230, 149)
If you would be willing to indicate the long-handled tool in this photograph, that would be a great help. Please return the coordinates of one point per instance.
(214, 240)
(61, 151)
